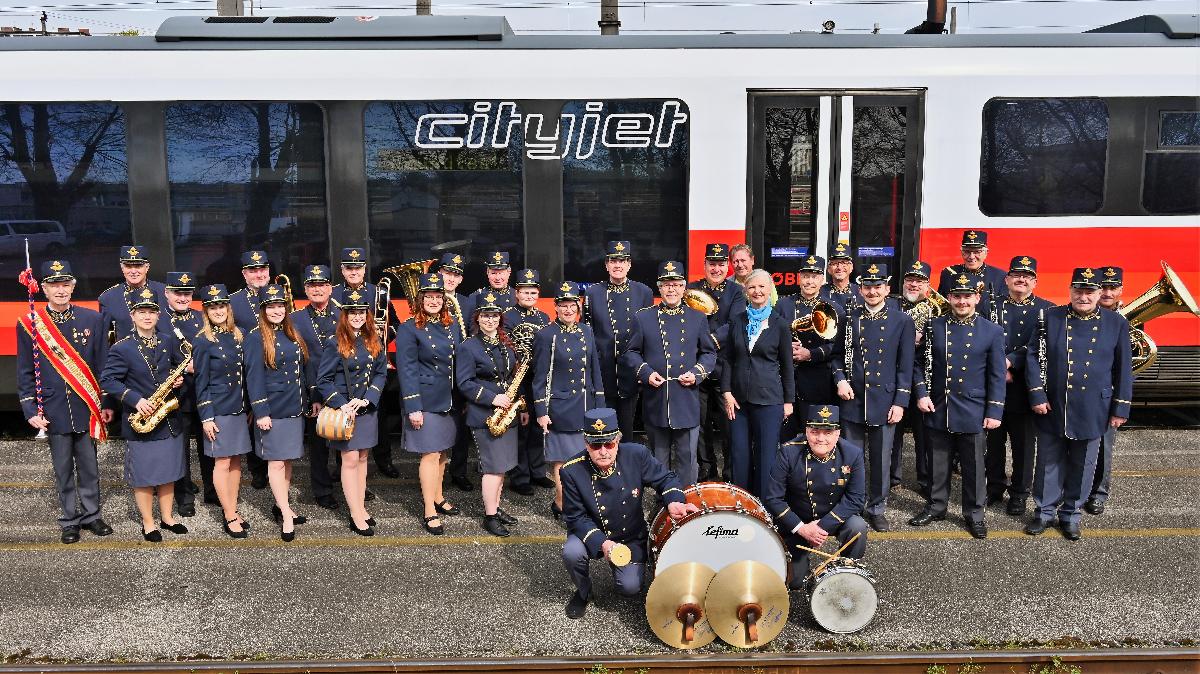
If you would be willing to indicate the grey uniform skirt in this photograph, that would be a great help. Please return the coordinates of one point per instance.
(496, 455)
(232, 440)
(366, 434)
(284, 442)
(561, 447)
(149, 463)
(437, 433)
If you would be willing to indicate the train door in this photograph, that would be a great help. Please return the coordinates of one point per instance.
(829, 167)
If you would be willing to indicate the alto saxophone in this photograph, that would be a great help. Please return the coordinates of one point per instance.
(163, 405)
(501, 418)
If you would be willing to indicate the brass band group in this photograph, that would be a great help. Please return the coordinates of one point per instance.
(800, 400)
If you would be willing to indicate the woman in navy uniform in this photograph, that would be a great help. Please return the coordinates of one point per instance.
(136, 366)
(276, 366)
(483, 369)
(352, 375)
(566, 383)
(221, 401)
(758, 383)
(425, 350)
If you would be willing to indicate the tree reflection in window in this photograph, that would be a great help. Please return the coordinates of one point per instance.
(789, 176)
(64, 163)
(878, 171)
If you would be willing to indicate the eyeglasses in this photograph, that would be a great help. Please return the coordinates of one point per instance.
(595, 447)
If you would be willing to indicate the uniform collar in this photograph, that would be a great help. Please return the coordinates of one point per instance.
(61, 316)
(617, 287)
(719, 288)
(970, 320)
(1094, 315)
(1020, 303)
(671, 311)
(573, 327)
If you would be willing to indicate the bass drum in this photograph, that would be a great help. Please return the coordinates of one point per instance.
(333, 424)
(842, 597)
(731, 526)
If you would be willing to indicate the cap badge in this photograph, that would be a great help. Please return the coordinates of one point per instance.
(825, 413)
(619, 247)
(256, 256)
(354, 254)
(1026, 261)
(599, 425)
(498, 257)
(670, 266)
(213, 291)
(57, 266)
(1110, 272)
(315, 271)
(565, 287)
(529, 274)
(457, 259)
(972, 236)
(133, 251)
(185, 279)
(812, 260)
(716, 249)
(963, 280)
(916, 265)
(873, 269)
(841, 248)
(147, 293)
(490, 297)
(272, 290)
(1087, 273)
(355, 296)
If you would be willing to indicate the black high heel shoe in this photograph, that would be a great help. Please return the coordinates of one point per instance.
(505, 518)
(235, 534)
(287, 536)
(436, 531)
(369, 531)
(446, 510)
(177, 528)
(153, 536)
(278, 515)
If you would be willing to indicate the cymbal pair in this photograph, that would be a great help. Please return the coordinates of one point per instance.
(689, 605)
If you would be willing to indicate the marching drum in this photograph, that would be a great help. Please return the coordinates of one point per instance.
(333, 424)
(842, 596)
(731, 526)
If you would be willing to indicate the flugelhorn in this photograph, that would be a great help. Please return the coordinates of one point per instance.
(822, 322)
(928, 309)
(1168, 296)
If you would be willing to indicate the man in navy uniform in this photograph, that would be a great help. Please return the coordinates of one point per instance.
(115, 301)
(730, 299)
(974, 254)
(181, 316)
(670, 352)
(316, 324)
(959, 377)
(840, 289)
(256, 272)
(1017, 314)
(914, 291)
(874, 379)
(611, 307)
(817, 490)
(1112, 286)
(530, 470)
(811, 353)
(602, 505)
(71, 340)
(499, 270)
(1080, 380)
(450, 267)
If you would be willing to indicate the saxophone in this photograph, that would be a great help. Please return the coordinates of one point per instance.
(501, 418)
(163, 405)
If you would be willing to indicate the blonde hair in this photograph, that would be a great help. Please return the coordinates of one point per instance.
(229, 325)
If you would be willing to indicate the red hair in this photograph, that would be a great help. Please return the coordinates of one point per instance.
(421, 318)
(345, 336)
(501, 333)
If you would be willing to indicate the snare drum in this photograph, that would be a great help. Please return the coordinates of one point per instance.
(731, 526)
(842, 597)
(333, 424)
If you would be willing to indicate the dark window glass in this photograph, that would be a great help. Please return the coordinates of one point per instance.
(246, 175)
(1179, 129)
(789, 187)
(625, 178)
(63, 175)
(421, 197)
(877, 183)
(1172, 183)
(1043, 156)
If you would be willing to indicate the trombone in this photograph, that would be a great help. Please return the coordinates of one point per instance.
(286, 283)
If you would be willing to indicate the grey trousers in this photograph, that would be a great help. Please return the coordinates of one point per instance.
(77, 476)
(683, 441)
(876, 442)
(1099, 492)
(628, 578)
(1064, 475)
(1017, 429)
(968, 447)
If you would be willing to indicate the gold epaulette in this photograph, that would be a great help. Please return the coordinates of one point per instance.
(125, 338)
(575, 460)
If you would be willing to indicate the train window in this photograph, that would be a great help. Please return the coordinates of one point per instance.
(1179, 129)
(63, 186)
(1171, 175)
(789, 184)
(1043, 156)
(877, 204)
(246, 175)
(445, 171)
(624, 178)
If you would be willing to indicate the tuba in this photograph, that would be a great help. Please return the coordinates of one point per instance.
(409, 275)
(928, 309)
(822, 322)
(1168, 296)
(286, 283)
(700, 301)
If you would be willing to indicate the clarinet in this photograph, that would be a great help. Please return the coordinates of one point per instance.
(928, 339)
(1042, 345)
(849, 348)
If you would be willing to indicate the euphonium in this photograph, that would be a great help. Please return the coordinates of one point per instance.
(409, 275)
(502, 418)
(1167, 296)
(822, 322)
(928, 309)
(286, 283)
(163, 399)
(700, 301)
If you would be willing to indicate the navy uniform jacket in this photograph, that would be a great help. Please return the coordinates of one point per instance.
(964, 362)
(843, 298)
(764, 376)
(515, 316)
(566, 375)
(599, 507)
(127, 377)
(114, 306)
(220, 376)
(1088, 371)
(503, 298)
(244, 303)
(482, 371)
(280, 392)
(317, 330)
(1019, 322)
(992, 278)
(814, 377)
(881, 363)
(370, 290)
(189, 323)
(611, 310)
(425, 364)
(804, 488)
(670, 342)
(368, 375)
(66, 411)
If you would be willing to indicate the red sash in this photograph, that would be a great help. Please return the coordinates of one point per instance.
(69, 365)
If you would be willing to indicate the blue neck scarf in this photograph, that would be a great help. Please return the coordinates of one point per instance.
(755, 319)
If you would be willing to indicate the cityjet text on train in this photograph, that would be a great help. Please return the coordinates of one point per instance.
(495, 125)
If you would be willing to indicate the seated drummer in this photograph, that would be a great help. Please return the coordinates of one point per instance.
(817, 490)
(602, 505)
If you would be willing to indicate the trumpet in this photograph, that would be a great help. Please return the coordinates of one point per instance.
(928, 309)
(286, 283)
(700, 301)
(822, 322)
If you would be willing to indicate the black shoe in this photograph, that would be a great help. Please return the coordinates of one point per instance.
(1070, 531)
(70, 534)
(977, 529)
(278, 515)
(369, 531)
(925, 517)
(543, 482)
(259, 482)
(287, 536)
(389, 470)
(1016, 507)
(1094, 507)
(436, 531)
(186, 510)
(177, 528)
(1036, 526)
(555, 511)
(577, 606)
(211, 499)
(523, 489)
(235, 534)
(993, 499)
(493, 525)
(505, 518)
(153, 536)
(191, 488)
(327, 502)
(98, 527)
(446, 509)
(878, 522)
(370, 521)
(369, 496)
(462, 483)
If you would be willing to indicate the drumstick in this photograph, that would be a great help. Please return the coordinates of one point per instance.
(835, 555)
(819, 552)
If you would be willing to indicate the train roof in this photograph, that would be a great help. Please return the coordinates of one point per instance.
(494, 32)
